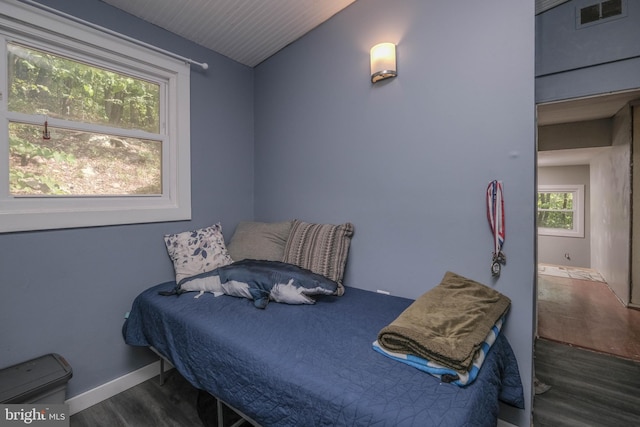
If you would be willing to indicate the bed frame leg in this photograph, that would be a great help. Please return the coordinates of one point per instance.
(220, 416)
(161, 371)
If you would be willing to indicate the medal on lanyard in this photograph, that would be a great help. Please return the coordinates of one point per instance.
(495, 215)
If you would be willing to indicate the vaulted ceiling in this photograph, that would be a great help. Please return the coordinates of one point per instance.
(247, 31)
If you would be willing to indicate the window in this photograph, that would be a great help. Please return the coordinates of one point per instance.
(82, 159)
(601, 12)
(561, 210)
(94, 130)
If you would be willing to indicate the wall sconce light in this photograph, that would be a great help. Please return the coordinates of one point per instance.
(383, 62)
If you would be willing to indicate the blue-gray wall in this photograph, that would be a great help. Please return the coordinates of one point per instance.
(595, 59)
(408, 160)
(67, 291)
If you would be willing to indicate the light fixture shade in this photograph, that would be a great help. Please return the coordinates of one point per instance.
(383, 61)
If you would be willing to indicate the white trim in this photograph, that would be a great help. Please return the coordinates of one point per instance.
(113, 387)
(502, 423)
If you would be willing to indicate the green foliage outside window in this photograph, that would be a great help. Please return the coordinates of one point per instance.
(555, 210)
(44, 83)
(75, 162)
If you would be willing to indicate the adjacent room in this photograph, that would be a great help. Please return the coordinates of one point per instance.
(580, 261)
(588, 348)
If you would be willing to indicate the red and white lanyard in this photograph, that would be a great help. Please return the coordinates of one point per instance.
(495, 215)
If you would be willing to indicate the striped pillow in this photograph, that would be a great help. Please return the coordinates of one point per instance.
(321, 248)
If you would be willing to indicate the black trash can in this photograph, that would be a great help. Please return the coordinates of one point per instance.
(40, 380)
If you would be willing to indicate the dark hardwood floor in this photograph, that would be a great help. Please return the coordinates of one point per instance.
(589, 353)
(147, 404)
(587, 388)
(150, 404)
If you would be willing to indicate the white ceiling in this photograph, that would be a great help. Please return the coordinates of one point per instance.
(247, 31)
(573, 156)
(587, 108)
(577, 110)
(543, 5)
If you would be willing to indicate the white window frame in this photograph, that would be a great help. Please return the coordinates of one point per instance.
(23, 24)
(578, 210)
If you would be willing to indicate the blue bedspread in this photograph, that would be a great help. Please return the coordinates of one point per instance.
(313, 365)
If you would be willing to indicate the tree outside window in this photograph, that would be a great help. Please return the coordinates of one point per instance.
(80, 159)
(560, 210)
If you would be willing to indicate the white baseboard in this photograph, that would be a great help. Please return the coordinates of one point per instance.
(113, 387)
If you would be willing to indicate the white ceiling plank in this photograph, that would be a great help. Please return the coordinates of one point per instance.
(247, 31)
(544, 5)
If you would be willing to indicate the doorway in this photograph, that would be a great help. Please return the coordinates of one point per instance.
(587, 136)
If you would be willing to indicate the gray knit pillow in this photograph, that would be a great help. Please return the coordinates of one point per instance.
(321, 248)
(259, 240)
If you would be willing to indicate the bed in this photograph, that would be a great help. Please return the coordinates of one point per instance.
(312, 364)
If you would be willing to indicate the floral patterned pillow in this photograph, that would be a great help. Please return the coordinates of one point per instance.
(198, 251)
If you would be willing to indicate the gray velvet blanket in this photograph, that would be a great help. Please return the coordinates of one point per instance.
(447, 324)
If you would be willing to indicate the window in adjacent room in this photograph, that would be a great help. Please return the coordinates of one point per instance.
(94, 130)
(561, 210)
